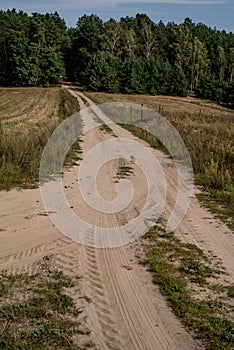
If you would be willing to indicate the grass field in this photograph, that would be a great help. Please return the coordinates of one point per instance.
(28, 116)
(208, 132)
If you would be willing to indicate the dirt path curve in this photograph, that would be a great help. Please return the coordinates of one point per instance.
(127, 311)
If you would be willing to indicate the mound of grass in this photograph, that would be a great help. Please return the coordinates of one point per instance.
(36, 313)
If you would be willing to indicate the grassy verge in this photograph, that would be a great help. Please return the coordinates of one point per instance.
(190, 282)
(22, 142)
(37, 313)
(106, 129)
(145, 135)
(217, 207)
(208, 132)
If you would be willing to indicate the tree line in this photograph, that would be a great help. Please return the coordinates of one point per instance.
(132, 55)
(32, 48)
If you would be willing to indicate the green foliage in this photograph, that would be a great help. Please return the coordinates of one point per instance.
(145, 135)
(102, 72)
(123, 172)
(89, 30)
(178, 82)
(134, 55)
(32, 49)
(228, 96)
(133, 76)
(36, 312)
(51, 67)
(158, 77)
(231, 291)
(152, 58)
(179, 268)
(85, 42)
(216, 90)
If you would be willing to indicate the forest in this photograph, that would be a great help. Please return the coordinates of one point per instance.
(132, 55)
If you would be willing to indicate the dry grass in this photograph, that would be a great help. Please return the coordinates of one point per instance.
(18, 105)
(28, 116)
(168, 103)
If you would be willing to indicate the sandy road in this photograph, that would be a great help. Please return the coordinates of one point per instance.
(127, 311)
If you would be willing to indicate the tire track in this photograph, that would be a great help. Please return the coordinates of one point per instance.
(35, 253)
(101, 301)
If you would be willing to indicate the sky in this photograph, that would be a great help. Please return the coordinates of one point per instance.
(213, 13)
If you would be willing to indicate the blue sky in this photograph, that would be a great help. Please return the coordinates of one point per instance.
(214, 13)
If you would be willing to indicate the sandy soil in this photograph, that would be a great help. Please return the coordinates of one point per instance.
(127, 311)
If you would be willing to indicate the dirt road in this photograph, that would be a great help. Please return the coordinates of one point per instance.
(127, 311)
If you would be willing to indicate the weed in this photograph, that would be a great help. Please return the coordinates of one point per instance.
(36, 313)
(107, 130)
(124, 170)
(177, 267)
(144, 135)
(87, 299)
(231, 291)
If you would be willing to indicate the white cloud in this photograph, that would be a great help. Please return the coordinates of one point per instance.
(92, 5)
(71, 10)
(107, 3)
(187, 2)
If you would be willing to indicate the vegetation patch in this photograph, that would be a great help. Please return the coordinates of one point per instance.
(231, 291)
(144, 135)
(185, 274)
(107, 130)
(37, 313)
(217, 207)
(124, 170)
